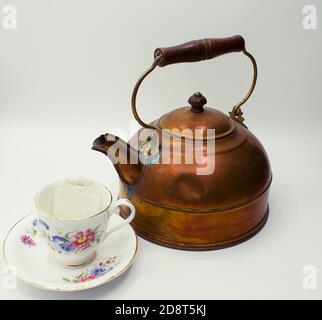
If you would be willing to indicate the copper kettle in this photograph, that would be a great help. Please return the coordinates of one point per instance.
(176, 206)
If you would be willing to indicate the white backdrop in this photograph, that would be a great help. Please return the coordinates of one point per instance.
(66, 76)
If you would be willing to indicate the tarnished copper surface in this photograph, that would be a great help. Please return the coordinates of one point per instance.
(242, 174)
(196, 230)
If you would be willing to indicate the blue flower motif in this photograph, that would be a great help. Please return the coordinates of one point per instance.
(43, 224)
(97, 271)
(35, 223)
(63, 243)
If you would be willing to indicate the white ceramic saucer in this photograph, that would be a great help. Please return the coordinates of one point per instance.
(31, 257)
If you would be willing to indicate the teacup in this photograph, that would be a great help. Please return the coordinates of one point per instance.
(73, 217)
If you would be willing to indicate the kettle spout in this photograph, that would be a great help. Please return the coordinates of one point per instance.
(123, 156)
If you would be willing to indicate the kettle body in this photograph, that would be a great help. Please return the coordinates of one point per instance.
(193, 205)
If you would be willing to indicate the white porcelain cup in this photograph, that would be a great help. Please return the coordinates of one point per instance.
(73, 217)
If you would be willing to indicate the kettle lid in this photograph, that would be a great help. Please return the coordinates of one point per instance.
(193, 122)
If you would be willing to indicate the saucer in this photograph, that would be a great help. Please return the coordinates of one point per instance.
(34, 263)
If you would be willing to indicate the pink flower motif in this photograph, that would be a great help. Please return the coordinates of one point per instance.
(27, 241)
(110, 260)
(87, 277)
(82, 240)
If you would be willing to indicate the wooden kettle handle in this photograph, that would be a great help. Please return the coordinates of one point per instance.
(199, 50)
(193, 51)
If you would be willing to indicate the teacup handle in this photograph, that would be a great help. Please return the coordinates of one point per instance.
(120, 202)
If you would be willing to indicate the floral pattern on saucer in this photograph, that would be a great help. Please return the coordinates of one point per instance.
(94, 272)
(113, 258)
(75, 241)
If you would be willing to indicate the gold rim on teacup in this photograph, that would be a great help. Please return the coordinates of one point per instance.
(74, 239)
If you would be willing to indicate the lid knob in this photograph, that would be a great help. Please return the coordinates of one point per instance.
(197, 101)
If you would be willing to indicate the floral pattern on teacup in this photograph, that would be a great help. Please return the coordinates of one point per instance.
(75, 241)
(94, 272)
(27, 241)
